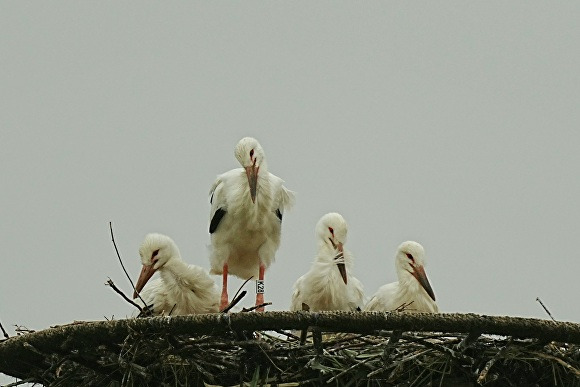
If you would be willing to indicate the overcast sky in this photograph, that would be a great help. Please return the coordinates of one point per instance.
(453, 124)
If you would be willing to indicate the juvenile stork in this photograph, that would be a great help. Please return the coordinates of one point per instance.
(329, 284)
(247, 205)
(413, 289)
(181, 288)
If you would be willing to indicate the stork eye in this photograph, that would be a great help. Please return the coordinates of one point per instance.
(331, 230)
(252, 153)
(154, 253)
(410, 257)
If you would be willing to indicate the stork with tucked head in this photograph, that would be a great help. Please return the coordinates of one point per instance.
(247, 206)
(413, 288)
(329, 284)
(181, 288)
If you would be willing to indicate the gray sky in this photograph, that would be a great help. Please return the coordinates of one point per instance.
(453, 124)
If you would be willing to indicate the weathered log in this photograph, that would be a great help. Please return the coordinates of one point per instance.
(18, 353)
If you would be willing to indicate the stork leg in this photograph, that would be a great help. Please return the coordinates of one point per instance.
(224, 300)
(260, 296)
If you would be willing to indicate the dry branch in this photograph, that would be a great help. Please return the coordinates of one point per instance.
(112, 285)
(237, 297)
(546, 309)
(122, 265)
(4, 331)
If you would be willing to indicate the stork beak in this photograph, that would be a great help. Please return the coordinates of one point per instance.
(146, 273)
(340, 265)
(252, 173)
(419, 274)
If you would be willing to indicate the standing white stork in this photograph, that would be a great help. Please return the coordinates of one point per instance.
(329, 284)
(182, 288)
(247, 205)
(413, 288)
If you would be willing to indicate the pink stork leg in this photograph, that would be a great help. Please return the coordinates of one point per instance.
(260, 296)
(224, 300)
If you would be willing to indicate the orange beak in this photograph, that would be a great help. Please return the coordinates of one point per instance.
(341, 266)
(146, 273)
(419, 274)
(252, 173)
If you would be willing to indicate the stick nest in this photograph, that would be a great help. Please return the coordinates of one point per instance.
(362, 349)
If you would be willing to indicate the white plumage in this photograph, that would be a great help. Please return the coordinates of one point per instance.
(181, 288)
(247, 205)
(329, 284)
(413, 289)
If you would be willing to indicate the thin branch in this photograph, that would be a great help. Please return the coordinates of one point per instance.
(234, 302)
(287, 334)
(3, 331)
(393, 340)
(546, 309)
(21, 329)
(468, 340)
(489, 364)
(256, 307)
(18, 383)
(237, 298)
(116, 289)
(122, 265)
(304, 332)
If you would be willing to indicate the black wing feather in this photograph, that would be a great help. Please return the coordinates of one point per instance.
(215, 221)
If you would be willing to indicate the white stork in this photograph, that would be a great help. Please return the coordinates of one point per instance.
(182, 288)
(329, 284)
(247, 205)
(413, 289)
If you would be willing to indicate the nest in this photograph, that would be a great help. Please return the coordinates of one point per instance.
(370, 348)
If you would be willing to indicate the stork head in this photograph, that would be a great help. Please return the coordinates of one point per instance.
(331, 229)
(410, 261)
(155, 251)
(251, 156)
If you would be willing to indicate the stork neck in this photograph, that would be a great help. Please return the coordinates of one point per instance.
(407, 282)
(174, 268)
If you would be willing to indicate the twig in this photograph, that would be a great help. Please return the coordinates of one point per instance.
(241, 287)
(403, 307)
(116, 289)
(3, 331)
(237, 298)
(234, 302)
(256, 307)
(18, 383)
(317, 340)
(468, 340)
(490, 363)
(357, 364)
(20, 329)
(287, 334)
(271, 361)
(546, 309)
(122, 265)
(393, 340)
(304, 332)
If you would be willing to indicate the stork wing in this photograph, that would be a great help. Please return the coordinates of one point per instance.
(358, 296)
(218, 204)
(283, 197)
(215, 220)
(296, 303)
